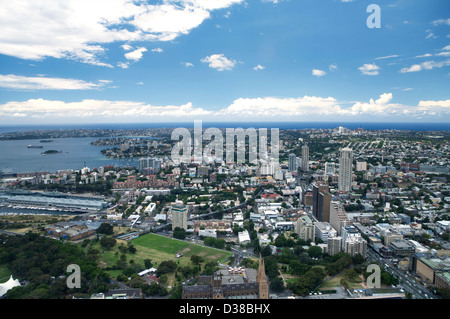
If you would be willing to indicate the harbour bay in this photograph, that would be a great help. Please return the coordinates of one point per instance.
(73, 153)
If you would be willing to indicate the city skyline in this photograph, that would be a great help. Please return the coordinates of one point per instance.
(222, 60)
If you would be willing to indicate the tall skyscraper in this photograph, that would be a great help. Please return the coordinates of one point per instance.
(321, 202)
(292, 162)
(345, 170)
(305, 158)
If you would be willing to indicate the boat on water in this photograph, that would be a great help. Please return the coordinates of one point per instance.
(51, 152)
(35, 146)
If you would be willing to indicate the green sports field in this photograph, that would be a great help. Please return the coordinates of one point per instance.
(158, 248)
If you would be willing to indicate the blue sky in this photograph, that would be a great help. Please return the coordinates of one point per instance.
(79, 61)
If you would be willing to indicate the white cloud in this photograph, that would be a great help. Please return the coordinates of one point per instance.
(318, 73)
(127, 47)
(434, 104)
(305, 108)
(158, 50)
(272, 106)
(333, 67)
(441, 21)
(208, 4)
(135, 55)
(370, 69)
(427, 65)
(18, 82)
(77, 30)
(426, 55)
(258, 67)
(123, 65)
(430, 34)
(387, 57)
(380, 105)
(41, 108)
(187, 64)
(219, 62)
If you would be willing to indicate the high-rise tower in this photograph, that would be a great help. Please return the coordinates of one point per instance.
(305, 158)
(345, 170)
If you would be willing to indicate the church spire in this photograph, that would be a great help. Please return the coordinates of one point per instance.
(261, 278)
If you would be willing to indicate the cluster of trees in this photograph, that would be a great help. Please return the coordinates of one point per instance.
(310, 264)
(179, 233)
(99, 187)
(214, 242)
(43, 263)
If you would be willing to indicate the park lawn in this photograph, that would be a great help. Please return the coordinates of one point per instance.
(158, 249)
(4, 274)
(336, 282)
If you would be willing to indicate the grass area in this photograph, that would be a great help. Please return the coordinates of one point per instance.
(158, 249)
(335, 282)
(4, 273)
(24, 223)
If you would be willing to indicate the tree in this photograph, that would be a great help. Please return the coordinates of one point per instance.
(107, 242)
(106, 229)
(148, 263)
(166, 267)
(315, 252)
(195, 259)
(266, 251)
(358, 259)
(131, 248)
(179, 233)
(277, 284)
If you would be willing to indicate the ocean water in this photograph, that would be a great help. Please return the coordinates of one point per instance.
(75, 153)
(416, 126)
(16, 157)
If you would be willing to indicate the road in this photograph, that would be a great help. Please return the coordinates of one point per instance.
(408, 283)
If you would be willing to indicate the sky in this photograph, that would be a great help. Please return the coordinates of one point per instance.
(124, 61)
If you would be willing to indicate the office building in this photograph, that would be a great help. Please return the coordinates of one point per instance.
(321, 202)
(345, 170)
(324, 231)
(402, 248)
